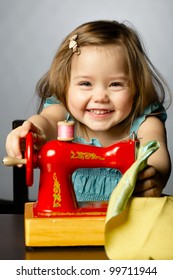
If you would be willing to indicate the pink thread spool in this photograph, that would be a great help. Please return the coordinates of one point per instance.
(65, 131)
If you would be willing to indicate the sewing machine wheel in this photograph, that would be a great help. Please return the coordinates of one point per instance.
(29, 159)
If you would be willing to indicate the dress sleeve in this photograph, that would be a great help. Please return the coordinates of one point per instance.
(156, 110)
(51, 100)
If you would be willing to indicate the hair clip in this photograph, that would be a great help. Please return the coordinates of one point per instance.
(73, 44)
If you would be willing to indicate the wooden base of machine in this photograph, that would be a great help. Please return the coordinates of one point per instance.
(63, 231)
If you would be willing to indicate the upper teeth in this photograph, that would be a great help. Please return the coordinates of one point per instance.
(100, 112)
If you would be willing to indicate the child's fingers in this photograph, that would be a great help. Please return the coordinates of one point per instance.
(155, 191)
(148, 172)
(39, 138)
(13, 145)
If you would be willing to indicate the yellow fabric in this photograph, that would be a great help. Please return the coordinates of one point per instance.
(138, 228)
(144, 230)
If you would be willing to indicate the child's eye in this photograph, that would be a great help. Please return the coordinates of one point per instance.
(86, 84)
(116, 84)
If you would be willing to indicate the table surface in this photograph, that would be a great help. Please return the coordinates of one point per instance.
(12, 245)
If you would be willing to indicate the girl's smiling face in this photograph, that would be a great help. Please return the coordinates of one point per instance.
(99, 94)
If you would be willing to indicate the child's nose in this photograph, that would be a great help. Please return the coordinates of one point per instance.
(101, 96)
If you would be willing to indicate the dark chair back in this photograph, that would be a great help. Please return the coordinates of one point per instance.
(20, 189)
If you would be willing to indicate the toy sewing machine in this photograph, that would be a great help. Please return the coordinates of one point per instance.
(57, 219)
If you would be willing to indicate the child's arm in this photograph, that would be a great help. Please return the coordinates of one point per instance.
(43, 126)
(153, 179)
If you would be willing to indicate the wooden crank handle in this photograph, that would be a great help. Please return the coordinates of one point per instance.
(28, 160)
(12, 161)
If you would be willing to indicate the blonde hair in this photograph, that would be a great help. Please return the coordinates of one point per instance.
(145, 81)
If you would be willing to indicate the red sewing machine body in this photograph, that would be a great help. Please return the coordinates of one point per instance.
(56, 218)
(58, 160)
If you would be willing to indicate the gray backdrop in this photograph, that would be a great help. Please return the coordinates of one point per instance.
(31, 30)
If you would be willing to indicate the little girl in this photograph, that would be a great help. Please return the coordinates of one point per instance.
(103, 80)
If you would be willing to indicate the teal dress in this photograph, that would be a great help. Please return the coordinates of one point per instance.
(97, 184)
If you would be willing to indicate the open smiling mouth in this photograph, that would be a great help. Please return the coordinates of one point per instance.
(99, 111)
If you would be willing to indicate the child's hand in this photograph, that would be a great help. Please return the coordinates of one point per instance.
(15, 142)
(149, 183)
